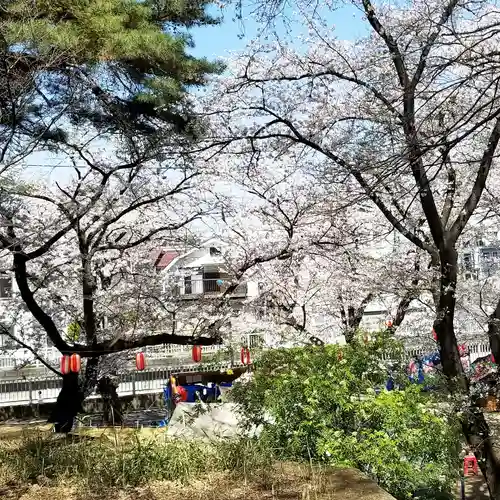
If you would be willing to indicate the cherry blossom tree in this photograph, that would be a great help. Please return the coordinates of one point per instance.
(407, 116)
(334, 258)
(80, 253)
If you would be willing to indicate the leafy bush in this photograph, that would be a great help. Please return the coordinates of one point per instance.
(320, 404)
(133, 462)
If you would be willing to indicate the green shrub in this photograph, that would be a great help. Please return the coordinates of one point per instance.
(319, 404)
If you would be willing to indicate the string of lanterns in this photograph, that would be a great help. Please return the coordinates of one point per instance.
(73, 363)
(196, 353)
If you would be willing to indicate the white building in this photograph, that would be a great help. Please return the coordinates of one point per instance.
(199, 278)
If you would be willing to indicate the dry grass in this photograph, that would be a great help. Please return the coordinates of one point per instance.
(17, 431)
(239, 471)
(283, 482)
(8, 432)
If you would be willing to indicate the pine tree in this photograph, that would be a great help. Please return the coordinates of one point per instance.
(120, 66)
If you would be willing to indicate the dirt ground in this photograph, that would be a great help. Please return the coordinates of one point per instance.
(286, 482)
(475, 488)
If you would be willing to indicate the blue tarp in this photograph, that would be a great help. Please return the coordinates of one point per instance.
(206, 392)
(421, 365)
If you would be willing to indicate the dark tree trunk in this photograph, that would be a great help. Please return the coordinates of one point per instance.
(443, 324)
(68, 405)
(72, 395)
(477, 433)
(474, 425)
(352, 319)
(112, 411)
(494, 332)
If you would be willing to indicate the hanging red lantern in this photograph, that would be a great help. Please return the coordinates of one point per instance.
(245, 356)
(434, 335)
(389, 323)
(65, 365)
(196, 353)
(75, 363)
(140, 361)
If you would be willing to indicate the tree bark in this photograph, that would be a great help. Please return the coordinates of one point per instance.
(68, 405)
(353, 318)
(474, 425)
(72, 395)
(443, 324)
(112, 411)
(494, 332)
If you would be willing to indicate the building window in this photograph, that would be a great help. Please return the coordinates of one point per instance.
(6, 342)
(255, 340)
(468, 261)
(489, 259)
(5, 287)
(188, 285)
(214, 251)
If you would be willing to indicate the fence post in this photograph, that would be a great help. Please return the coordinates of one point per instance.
(30, 389)
(133, 385)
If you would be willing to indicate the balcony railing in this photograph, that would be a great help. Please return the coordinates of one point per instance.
(207, 287)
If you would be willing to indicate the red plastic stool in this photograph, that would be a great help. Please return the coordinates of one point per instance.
(470, 461)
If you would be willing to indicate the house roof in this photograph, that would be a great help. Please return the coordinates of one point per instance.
(165, 258)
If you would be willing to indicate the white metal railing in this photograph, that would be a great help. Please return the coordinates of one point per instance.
(195, 287)
(32, 390)
(45, 390)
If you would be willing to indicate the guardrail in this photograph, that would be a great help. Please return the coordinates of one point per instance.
(39, 390)
(29, 391)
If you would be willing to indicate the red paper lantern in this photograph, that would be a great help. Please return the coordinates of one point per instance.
(75, 363)
(140, 361)
(245, 356)
(389, 323)
(196, 353)
(65, 365)
(434, 335)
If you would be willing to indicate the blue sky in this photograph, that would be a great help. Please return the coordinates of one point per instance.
(218, 41)
(232, 35)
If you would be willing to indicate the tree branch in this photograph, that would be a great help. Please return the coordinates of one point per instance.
(39, 314)
(121, 344)
(31, 349)
(479, 184)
